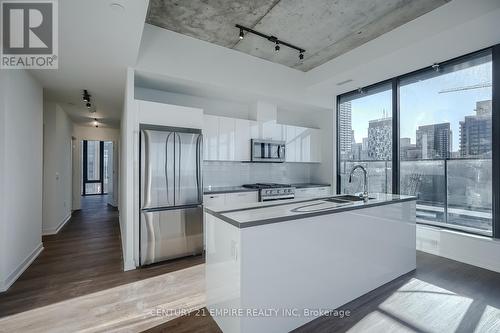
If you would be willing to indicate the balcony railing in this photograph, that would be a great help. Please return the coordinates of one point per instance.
(454, 193)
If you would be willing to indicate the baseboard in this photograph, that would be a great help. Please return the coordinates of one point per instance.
(59, 227)
(21, 268)
(480, 251)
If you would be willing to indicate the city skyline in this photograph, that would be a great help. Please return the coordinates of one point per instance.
(422, 103)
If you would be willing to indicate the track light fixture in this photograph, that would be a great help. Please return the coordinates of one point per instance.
(88, 105)
(86, 96)
(96, 123)
(436, 67)
(273, 39)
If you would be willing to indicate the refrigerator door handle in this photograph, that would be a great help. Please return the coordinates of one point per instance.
(199, 180)
(166, 167)
(178, 159)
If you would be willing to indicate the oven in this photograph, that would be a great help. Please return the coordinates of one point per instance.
(268, 151)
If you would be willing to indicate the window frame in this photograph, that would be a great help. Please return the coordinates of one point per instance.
(395, 82)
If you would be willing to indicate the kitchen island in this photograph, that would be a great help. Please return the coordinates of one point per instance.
(276, 266)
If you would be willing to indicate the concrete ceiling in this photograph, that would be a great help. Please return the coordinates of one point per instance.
(98, 40)
(326, 29)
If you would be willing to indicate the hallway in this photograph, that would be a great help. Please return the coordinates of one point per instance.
(83, 258)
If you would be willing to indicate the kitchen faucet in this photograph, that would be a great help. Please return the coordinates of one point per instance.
(365, 185)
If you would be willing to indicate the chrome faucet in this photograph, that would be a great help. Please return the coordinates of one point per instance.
(365, 185)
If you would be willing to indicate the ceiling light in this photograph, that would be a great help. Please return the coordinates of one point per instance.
(88, 105)
(86, 96)
(301, 56)
(277, 47)
(95, 123)
(241, 34)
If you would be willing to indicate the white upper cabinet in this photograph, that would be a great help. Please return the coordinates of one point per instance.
(210, 137)
(316, 147)
(270, 130)
(228, 139)
(245, 130)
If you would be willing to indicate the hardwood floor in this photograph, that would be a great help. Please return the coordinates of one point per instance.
(83, 258)
(440, 296)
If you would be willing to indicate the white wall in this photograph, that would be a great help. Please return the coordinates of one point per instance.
(213, 106)
(100, 134)
(127, 180)
(471, 249)
(21, 106)
(57, 168)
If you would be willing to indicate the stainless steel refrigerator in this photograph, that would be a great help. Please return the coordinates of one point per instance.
(171, 215)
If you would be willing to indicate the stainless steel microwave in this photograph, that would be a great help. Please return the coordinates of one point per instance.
(268, 151)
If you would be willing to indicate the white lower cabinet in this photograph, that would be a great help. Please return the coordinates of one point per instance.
(222, 199)
(214, 199)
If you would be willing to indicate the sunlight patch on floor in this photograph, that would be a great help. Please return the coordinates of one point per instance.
(417, 303)
(490, 320)
(132, 307)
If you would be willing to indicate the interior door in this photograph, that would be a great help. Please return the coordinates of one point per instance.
(157, 169)
(188, 184)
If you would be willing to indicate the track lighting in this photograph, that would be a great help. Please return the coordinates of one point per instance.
(88, 105)
(86, 96)
(272, 39)
(436, 67)
(95, 123)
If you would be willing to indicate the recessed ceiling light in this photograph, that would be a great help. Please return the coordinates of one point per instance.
(117, 7)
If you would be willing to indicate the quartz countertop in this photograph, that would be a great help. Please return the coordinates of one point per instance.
(255, 214)
(235, 189)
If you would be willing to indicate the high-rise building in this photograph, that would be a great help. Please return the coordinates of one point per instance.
(345, 135)
(434, 141)
(475, 132)
(380, 139)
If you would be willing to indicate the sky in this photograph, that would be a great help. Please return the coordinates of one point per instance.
(422, 104)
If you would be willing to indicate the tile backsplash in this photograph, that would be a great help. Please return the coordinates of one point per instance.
(216, 173)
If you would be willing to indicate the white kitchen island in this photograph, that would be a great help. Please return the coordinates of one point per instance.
(275, 268)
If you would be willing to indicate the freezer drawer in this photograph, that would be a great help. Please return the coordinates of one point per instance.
(170, 234)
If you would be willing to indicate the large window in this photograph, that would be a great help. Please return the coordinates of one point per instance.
(445, 143)
(446, 128)
(365, 137)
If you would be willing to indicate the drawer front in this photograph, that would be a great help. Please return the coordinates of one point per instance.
(242, 197)
(213, 200)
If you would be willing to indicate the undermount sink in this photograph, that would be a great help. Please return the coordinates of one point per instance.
(345, 198)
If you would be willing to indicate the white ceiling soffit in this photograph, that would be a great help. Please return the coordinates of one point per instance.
(98, 40)
(178, 86)
(324, 28)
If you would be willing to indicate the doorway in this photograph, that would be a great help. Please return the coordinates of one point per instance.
(97, 167)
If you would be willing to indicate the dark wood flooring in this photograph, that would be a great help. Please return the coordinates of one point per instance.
(440, 296)
(84, 257)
